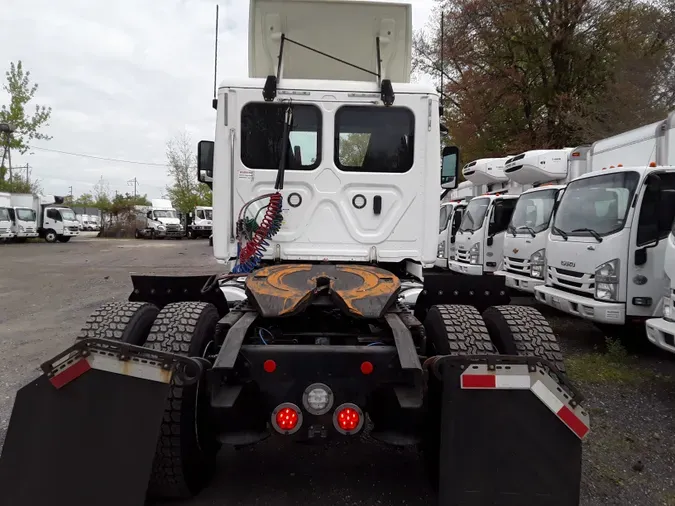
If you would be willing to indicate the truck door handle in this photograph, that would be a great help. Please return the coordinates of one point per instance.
(377, 204)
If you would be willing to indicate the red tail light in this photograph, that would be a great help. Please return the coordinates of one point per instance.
(348, 418)
(287, 418)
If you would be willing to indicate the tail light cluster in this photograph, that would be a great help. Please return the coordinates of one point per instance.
(318, 399)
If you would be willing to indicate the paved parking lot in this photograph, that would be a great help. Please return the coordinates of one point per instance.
(48, 290)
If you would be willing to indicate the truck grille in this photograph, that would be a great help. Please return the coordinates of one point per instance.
(517, 265)
(3, 230)
(463, 256)
(73, 229)
(173, 227)
(575, 282)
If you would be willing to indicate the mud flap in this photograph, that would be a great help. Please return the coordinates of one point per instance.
(84, 435)
(510, 435)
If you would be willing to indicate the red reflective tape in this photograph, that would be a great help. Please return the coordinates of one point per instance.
(479, 381)
(573, 422)
(72, 372)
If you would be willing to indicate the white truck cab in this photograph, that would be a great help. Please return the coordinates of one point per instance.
(24, 214)
(6, 231)
(450, 219)
(158, 221)
(605, 252)
(661, 331)
(56, 222)
(362, 149)
(547, 171)
(199, 222)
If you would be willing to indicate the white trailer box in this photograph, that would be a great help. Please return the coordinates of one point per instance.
(636, 148)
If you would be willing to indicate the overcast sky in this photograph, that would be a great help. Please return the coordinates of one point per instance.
(122, 78)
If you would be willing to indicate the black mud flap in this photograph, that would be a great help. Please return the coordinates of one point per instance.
(82, 435)
(510, 434)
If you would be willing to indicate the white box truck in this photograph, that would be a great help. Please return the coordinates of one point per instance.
(546, 171)
(606, 249)
(480, 236)
(5, 219)
(24, 213)
(56, 222)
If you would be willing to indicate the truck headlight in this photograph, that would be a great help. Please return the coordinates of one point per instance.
(21, 229)
(537, 262)
(474, 254)
(607, 280)
(441, 249)
(161, 228)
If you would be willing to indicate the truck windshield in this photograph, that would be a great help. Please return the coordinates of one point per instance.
(25, 214)
(4, 215)
(205, 214)
(533, 212)
(474, 215)
(595, 205)
(165, 213)
(67, 215)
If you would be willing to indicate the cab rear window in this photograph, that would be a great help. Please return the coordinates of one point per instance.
(374, 139)
(262, 128)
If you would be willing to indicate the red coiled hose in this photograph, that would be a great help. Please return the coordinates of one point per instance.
(256, 246)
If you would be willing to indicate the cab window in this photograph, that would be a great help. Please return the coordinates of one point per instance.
(374, 139)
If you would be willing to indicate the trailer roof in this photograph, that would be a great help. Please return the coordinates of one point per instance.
(346, 29)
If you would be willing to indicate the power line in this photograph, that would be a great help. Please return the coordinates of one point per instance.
(101, 157)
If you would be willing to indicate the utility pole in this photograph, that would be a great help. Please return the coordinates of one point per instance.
(135, 182)
(24, 167)
(70, 188)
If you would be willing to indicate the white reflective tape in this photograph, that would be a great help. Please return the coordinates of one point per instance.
(546, 396)
(513, 382)
(129, 368)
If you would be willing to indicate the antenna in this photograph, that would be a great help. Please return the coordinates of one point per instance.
(215, 66)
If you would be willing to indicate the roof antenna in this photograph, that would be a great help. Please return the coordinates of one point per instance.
(215, 67)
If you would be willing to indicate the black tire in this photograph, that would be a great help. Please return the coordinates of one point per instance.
(191, 234)
(454, 330)
(129, 322)
(457, 330)
(137, 234)
(63, 239)
(524, 331)
(211, 241)
(185, 458)
(50, 236)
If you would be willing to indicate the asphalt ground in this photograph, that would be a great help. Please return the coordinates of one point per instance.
(48, 290)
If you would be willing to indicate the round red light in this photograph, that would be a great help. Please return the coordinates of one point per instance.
(366, 367)
(270, 366)
(287, 419)
(348, 419)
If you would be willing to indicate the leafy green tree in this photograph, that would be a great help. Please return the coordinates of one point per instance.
(186, 192)
(85, 200)
(21, 91)
(352, 149)
(524, 74)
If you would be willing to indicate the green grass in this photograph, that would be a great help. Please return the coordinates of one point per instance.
(613, 366)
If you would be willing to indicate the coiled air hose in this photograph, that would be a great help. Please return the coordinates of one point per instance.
(252, 252)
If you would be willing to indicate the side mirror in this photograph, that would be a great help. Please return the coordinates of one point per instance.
(205, 161)
(449, 166)
(652, 198)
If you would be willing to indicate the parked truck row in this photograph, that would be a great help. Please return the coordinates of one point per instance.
(24, 216)
(587, 230)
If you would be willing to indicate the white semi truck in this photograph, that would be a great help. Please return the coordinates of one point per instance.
(56, 222)
(606, 249)
(24, 213)
(159, 220)
(480, 237)
(6, 232)
(546, 173)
